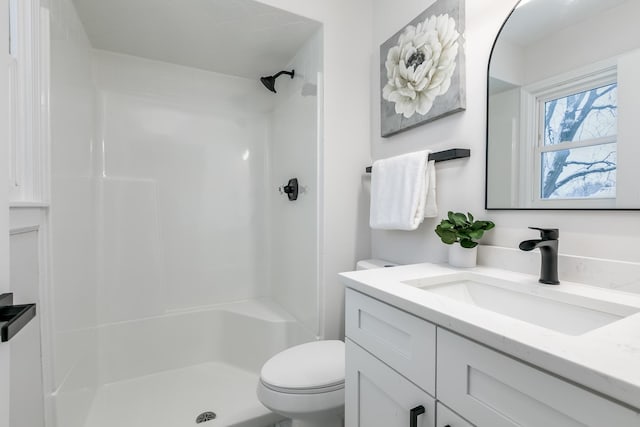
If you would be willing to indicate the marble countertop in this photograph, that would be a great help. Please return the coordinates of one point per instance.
(606, 359)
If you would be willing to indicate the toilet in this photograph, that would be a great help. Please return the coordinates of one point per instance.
(306, 382)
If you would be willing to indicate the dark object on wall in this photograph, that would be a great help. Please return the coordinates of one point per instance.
(291, 189)
(270, 81)
(441, 156)
(13, 317)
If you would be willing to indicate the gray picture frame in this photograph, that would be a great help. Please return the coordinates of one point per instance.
(453, 100)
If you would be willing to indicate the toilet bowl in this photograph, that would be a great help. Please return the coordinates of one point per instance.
(306, 383)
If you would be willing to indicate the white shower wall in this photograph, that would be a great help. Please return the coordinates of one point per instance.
(295, 147)
(182, 188)
(73, 219)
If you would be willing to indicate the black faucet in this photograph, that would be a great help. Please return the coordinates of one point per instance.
(548, 245)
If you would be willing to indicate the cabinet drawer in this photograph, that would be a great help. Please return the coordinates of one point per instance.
(492, 389)
(445, 417)
(402, 341)
(377, 396)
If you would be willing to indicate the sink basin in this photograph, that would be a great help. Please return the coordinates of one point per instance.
(540, 305)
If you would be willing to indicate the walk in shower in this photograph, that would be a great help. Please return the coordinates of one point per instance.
(178, 268)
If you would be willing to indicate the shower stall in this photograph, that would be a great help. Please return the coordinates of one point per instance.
(178, 267)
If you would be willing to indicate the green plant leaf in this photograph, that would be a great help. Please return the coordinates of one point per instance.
(463, 234)
(467, 243)
(483, 225)
(470, 217)
(446, 225)
(476, 234)
(447, 236)
(459, 219)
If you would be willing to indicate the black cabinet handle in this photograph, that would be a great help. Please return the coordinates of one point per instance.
(413, 415)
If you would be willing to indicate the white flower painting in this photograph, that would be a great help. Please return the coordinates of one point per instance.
(421, 75)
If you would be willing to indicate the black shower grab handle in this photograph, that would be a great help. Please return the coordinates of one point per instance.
(414, 414)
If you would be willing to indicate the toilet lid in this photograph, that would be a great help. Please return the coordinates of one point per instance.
(314, 365)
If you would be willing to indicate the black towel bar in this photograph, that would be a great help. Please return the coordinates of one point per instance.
(13, 317)
(441, 156)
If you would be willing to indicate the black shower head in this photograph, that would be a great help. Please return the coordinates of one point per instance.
(270, 81)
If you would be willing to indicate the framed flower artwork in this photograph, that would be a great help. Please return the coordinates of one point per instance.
(422, 69)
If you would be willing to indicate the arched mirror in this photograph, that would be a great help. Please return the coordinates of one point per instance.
(563, 126)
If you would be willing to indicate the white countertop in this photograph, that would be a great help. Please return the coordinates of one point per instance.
(606, 359)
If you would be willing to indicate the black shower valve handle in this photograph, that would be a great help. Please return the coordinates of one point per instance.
(291, 189)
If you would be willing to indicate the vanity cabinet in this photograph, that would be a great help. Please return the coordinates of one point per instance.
(394, 359)
(448, 418)
(492, 389)
(377, 396)
(404, 342)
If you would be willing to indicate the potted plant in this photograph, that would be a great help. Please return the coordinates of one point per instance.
(460, 231)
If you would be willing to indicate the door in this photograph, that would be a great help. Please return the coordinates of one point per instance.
(378, 396)
(4, 202)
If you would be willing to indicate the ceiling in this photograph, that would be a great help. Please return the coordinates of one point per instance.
(534, 20)
(237, 37)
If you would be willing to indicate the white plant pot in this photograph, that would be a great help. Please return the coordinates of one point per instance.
(462, 257)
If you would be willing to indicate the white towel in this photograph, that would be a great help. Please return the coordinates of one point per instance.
(403, 191)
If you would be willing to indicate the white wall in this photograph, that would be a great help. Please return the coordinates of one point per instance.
(547, 57)
(294, 153)
(4, 207)
(183, 192)
(27, 400)
(504, 134)
(508, 62)
(600, 37)
(611, 235)
(345, 152)
(627, 193)
(73, 217)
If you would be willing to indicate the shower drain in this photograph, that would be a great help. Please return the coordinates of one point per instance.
(205, 416)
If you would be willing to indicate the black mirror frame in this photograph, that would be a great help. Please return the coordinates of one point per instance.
(486, 166)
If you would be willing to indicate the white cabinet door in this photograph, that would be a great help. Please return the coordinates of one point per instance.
(445, 417)
(378, 396)
(405, 342)
(493, 390)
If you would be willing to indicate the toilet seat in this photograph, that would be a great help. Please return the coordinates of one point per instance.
(311, 368)
(314, 390)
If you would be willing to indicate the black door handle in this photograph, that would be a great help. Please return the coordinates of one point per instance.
(413, 415)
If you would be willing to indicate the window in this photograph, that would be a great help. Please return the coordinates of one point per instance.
(574, 155)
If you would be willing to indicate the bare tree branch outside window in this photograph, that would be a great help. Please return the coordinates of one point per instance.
(588, 171)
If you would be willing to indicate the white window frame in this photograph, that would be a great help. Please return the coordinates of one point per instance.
(29, 98)
(533, 99)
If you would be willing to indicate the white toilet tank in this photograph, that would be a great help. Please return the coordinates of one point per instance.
(368, 264)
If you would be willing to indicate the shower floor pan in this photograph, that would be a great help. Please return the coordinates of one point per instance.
(175, 399)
